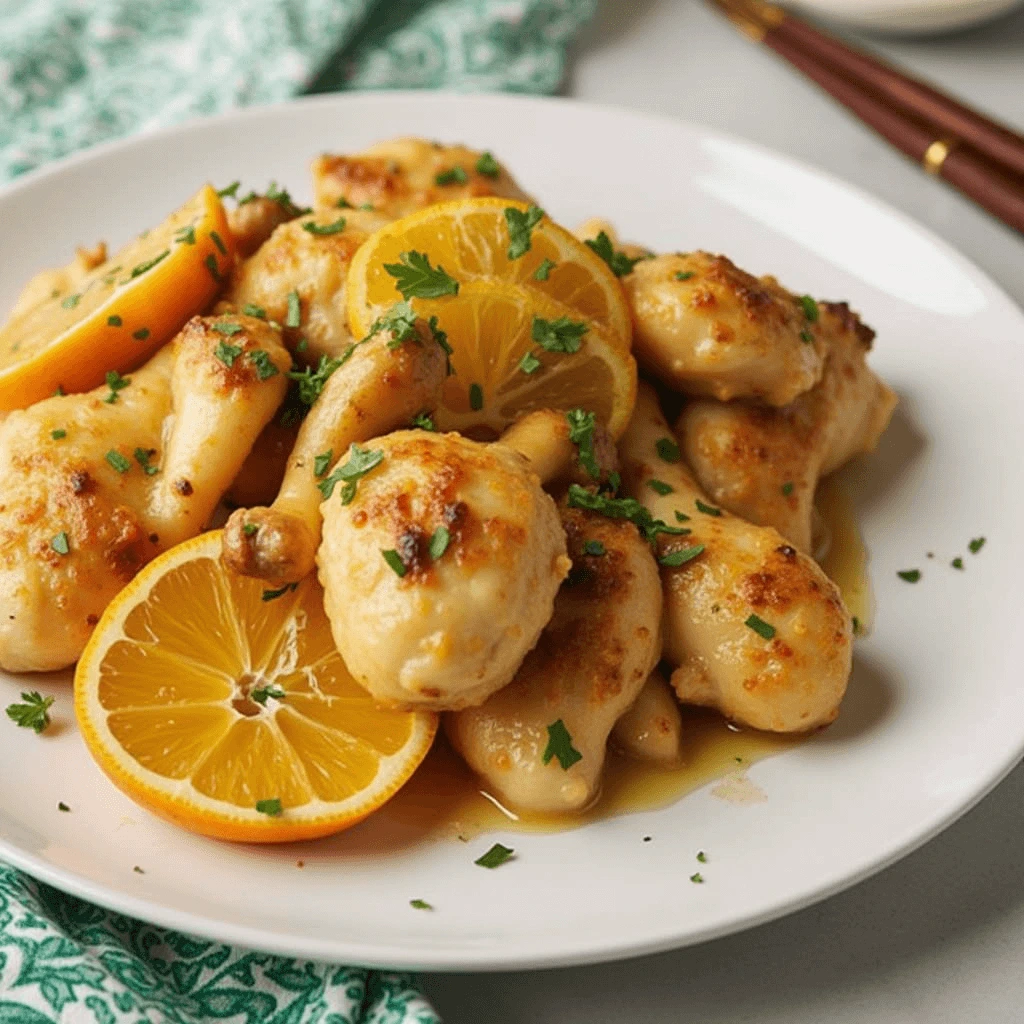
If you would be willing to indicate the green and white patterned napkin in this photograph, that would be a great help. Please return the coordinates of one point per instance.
(77, 72)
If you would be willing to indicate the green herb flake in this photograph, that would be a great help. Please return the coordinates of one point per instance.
(529, 363)
(263, 693)
(495, 856)
(976, 545)
(619, 263)
(367, 206)
(213, 267)
(33, 713)
(273, 595)
(142, 457)
(250, 529)
(560, 335)
(219, 242)
(226, 353)
(400, 322)
(394, 560)
(682, 517)
(343, 204)
(116, 383)
(324, 229)
(229, 190)
(957, 563)
(423, 421)
(520, 225)
(302, 345)
(58, 435)
(312, 382)
(660, 487)
(760, 627)
(360, 462)
(560, 746)
(322, 462)
(294, 316)
(71, 301)
(60, 543)
(787, 488)
(702, 857)
(581, 434)
(63, 807)
(416, 278)
(708, 510)
(811, 310)
(226, 327)
(594, 547)
(855, 623)
(141, 268)
(910, 575)
(186, 236)
(543, 272)
(439, 541)
(420, 905)
(251, 309)
(667, 449)
(272, 808)
(114, 321)
(141, 334)
(452, 176)
(674, 559)
(621, 508)
(697, 878)
(684, 275)
(263, 364)
(487, 165)
(806, 337)
(476, 397)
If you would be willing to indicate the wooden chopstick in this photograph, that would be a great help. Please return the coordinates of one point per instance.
(968, 150)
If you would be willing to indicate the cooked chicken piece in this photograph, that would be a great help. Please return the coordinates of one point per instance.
(704, 327)
(295, 261)
(652, 727)
(262, 473)
(400, 177)
(253, 220)
(47, 284)
(754, 626)
(588, 667)
(764, 464)
(376, 389)
(93, 487)
(442, 569)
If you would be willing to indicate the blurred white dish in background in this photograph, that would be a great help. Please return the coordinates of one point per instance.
(908, 16)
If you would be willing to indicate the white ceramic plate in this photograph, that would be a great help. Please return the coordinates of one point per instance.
(935, 712)
(908, 16)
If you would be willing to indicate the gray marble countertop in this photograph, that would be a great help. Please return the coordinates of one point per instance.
(939, 937)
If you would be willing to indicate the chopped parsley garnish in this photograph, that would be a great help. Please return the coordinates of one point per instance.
(415, 278)
(250, 529)
(226, 353)
(360, 462)
(59, 391)
(855, 623)
(150, 264)
(660, 487)
(294, 315)
(529, 363)
(561, 335)
(697, 878)
(760, 627)
(213, 267)
(593, 547)
(439, 541)
(272, 808)
(495, 856)
(263, 693)
(394, 559)
(442, 340)
(229, 190)
(476, 397)
(423, 421)
(322, 462)
(58, 435)
(251, 309)
(400, 322)
(116, 383)
(684, 275)
(324, 229)
(227, 327)
(682, 517)
(957, 563)
(302, 345)
(520, 224)
(312, 382)
(60, 543)
(810, 308)
(186, 236)
(702, 857)
(283, 198)
(343, 204)
(787, 488)
(265, 368)
(141, 334)
(71, 301)
(487, 165)
(453, 176)
(910, 575)
(33, 713)
(219, 242)
(806, 337)
(621, 508)
(667, 449)
(560, 746)
(976, 545)
(114, 321)
(674, 559)
(619, 262)
(543, 272)
(273, 595)
(420, 905)
(63, 807)
(366, 206)
(142, 457)
(708, 510)
(581, 434)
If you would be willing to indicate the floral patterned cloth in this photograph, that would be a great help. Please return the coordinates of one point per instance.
(77, 72)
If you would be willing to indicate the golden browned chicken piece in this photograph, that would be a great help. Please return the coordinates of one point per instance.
(753, 626)
(254, 219)
(652, 728)
(704, 327)
(441, 570)
(93, 486)
(764, 464)
(402, 176)
(376, 388)
(539, 744)
(297, 278)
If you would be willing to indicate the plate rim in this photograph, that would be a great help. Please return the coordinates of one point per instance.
(410, 956)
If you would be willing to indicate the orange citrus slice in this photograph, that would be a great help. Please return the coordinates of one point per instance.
(226, 708)
(122, 310)
(490, 321)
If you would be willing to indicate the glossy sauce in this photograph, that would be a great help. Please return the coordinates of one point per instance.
(444, 798)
